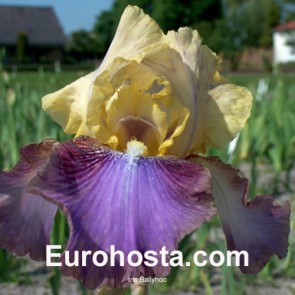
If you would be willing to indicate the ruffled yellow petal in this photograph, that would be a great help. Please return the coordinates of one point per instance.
(151, 83)
(227, 111)
(134, 114)
(102, 90)
(123, 72)
(164, 91)
(168, 63)
(188, 43)
(68, 106)
(136, 33)
(218, 111)
(181, 118)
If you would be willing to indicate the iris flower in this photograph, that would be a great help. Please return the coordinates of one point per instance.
(135, 175)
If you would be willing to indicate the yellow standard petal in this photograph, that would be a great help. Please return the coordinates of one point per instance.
(143, 86)
(227, 110)
(163, 91)
(71, 106)
(68, 106)
(134, 114)
(137, 32)
(218, 110)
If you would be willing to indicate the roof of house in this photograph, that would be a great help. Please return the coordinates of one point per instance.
(39, 23)
(285, 27)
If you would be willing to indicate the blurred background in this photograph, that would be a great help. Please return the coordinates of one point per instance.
(45, 45)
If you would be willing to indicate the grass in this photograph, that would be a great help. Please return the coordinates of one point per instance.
(268, 140)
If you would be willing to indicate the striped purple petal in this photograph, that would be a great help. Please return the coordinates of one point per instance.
(259, 226)
(133, 203)
(25, 218)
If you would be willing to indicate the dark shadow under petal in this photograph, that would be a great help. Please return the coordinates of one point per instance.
(25, 219)
(259, 227)
(110, 198)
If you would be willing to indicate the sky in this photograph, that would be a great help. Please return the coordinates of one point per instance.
(72, 14)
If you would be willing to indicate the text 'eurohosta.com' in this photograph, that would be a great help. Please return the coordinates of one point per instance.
(149, 258)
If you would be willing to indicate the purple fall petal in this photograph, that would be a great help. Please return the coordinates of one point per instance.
(141, 203)
(25, 219)
(259, 226)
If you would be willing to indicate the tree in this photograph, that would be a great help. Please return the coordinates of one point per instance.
(103, 30)
(254, 20)
(82, 45)
(172, 14)
(169, 14)
(227, 26)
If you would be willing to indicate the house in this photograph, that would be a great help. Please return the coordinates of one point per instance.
(282, 36)
(30, 34)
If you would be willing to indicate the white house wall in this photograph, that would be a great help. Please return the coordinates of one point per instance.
(282, 52)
